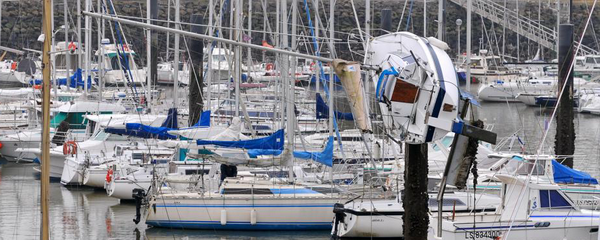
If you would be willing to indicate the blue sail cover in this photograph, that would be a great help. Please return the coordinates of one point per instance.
(76, 80)
(275, 141)
(564, 174)
(204, 120)
(323, 111)
(325, 157)
(145, 131)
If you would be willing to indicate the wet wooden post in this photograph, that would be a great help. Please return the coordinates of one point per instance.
(564, 143)
(415, 199)
(196, 78)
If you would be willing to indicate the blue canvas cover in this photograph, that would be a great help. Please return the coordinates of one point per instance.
(564, 174)
(323, 111)
(76, 80)
(171, 121)
(144, 131)
(204, 120)
(275, 141)
(325, 157)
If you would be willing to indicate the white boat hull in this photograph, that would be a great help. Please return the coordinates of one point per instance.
(95, 176)
(260, 213)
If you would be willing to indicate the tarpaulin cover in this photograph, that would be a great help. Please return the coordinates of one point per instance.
(325, 157)
(204, 120)
(275, 141)
(145, 131)
(323, 111)
(76, 81)
(564, 174)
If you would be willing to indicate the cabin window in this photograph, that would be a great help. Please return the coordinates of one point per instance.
(219, 58)
(553, 199)
(589, 60)
(114, 62)
(246, 191)
(446, 202)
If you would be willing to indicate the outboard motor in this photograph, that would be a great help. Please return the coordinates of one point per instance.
(338, 210)
(139, 195)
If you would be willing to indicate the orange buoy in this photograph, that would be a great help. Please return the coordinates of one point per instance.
(13, 66)
(70, 147)
(270, 66)
(72, 46)
(37, 86)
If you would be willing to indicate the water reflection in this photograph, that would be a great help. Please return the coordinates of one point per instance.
(85, 213)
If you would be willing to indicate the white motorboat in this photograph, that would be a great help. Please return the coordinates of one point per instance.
(73, 113)
(365, 218)
(120, 70)
(529, 210)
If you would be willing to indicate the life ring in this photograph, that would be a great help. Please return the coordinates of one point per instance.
(125, 48)
(270, 66)
(72, 46)
(70, 147)
(109, 175)
(13, 66)
(312, 66)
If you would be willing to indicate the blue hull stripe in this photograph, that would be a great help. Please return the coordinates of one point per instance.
(440, 96)
(242, 225)
(245, 206)
(494, 227)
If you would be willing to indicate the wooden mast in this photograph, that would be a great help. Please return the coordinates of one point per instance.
(45, 178)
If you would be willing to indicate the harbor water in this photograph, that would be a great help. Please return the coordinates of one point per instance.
(84, 213)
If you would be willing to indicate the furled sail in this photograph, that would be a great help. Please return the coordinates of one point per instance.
(324, 157)
(275, 141)
(349, 73)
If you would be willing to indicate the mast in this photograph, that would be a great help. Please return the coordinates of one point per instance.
(100, 51)
(288, 85)
(168, 25)
(79, 53)
(45, 178)
(367, 19)
(68, 52)
(424, 18)
(148, 52)
(249, 37)
(469, 3)
(211, 13)
(88, 48)
(316, 68)
(238, 55)
(176, 57)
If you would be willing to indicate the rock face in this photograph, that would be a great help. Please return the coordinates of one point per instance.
(21, 24)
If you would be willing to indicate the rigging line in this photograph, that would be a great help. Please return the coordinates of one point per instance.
(402, 16)
(410, 14)
(325, 87)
